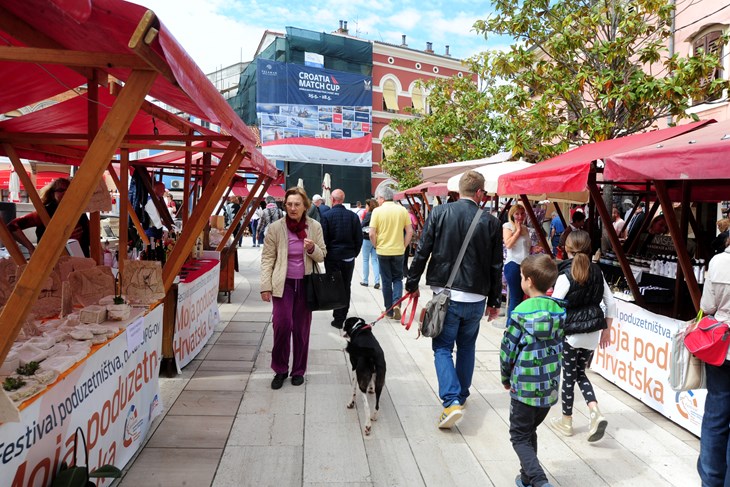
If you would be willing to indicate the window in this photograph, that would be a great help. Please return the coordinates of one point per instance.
(710, 43)
(417, 99)
(390, 97)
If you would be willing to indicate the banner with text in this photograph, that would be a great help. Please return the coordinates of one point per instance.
(197, 313)
(310, 114)
(114, 395)
(637, 360)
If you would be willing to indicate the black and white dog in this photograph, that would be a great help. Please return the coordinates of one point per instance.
(368, 362)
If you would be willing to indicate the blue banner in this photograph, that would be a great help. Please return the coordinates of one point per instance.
(309, 114)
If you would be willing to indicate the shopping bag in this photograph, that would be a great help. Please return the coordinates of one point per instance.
(709, 340)
(433, 314)
(78, 476)
(325, 291)
(686, 372)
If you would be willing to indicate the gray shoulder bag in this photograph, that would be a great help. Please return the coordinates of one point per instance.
(434, 313)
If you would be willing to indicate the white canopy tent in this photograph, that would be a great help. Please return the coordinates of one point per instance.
(491, 173)
(442, 172)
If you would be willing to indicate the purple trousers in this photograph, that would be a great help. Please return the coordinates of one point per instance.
(292, 321)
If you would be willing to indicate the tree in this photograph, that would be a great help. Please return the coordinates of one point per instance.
(583, 71)
(461, 125)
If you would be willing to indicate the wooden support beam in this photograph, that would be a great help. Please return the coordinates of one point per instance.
(186, 184)
(130, 210)
(92, 109)
(686, 211)
(122, 184)
(239, 215)
(613, 238)
(27, 184)
(631, 244)
(679, 243)
(537, 225)
(65, 57)
(143, 36)
(77, 197)
(170, 147)
(223, 174)
(10, 244)
(30, 36)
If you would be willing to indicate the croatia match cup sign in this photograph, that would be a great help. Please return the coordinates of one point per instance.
(309, 114)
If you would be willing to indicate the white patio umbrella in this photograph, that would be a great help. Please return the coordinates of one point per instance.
(491, 173)
(14, 187)
(327, 189)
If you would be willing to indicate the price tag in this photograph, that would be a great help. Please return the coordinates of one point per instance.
(135, 334)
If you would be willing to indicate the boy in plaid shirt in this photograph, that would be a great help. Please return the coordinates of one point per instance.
(530, 359)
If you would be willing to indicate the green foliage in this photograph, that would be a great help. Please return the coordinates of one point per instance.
(577, 71)
(461, 125)
(583, 71)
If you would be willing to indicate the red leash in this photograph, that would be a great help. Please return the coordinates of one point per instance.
(412, 301)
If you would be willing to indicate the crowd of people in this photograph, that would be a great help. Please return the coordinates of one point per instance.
(557, 314)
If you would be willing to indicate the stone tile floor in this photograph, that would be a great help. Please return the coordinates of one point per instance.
(224, 426)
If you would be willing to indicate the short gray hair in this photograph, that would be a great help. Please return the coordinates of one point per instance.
(385, 192)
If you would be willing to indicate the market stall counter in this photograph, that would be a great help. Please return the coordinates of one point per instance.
(191, 312)
(112, 393)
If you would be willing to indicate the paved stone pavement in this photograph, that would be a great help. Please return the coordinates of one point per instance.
(224, 426)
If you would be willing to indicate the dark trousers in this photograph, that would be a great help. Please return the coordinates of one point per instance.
(523, 423)
(713, 464)
(391, 279)
(292, 321)
(347, 269)
(575, 363)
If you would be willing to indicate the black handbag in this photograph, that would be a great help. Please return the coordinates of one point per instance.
(325, 291)
(79, 476)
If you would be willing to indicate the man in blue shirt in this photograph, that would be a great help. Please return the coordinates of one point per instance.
(556, 229)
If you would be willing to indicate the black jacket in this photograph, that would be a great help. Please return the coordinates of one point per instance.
(583, 301)
(342, 233)
(480, 271)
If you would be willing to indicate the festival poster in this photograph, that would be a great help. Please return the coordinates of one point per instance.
(197, 311)
(114, 395)
(637, 360)
(310, 114)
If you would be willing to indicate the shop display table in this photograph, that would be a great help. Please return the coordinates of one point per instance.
(113, 395)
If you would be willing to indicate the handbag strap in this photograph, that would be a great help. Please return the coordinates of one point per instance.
(462, 251)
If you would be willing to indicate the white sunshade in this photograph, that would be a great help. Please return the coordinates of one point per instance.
(491, 173)
(442, 172)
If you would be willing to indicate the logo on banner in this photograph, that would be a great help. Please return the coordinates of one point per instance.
(688, 406)
(269, 71)
(132, 426)
(367, 85)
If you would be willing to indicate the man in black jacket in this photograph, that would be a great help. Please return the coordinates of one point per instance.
(477, 282)
(343, 237)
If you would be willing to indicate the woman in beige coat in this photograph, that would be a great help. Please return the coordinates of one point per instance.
(290, 247)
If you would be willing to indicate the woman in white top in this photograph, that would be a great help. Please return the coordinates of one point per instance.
(516, 239)
(715, 440)
(582, 285)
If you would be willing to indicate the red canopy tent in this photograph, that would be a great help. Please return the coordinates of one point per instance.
(107, 57)
(568, 172)
(700, 156)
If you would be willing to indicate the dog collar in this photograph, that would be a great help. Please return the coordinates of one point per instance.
(360, 327)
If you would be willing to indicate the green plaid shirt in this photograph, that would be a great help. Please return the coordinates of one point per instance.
(531, 352)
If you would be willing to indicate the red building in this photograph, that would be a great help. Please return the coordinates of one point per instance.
(396, 70)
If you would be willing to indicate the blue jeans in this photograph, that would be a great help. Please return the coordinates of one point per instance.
(514, 287)
(369, 255)
(254, 226)
(713, 462)
(461, 327)
(391, 277)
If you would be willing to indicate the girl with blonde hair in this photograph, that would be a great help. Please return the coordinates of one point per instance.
(516, 239)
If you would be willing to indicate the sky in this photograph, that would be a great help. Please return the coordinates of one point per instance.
(219, 33)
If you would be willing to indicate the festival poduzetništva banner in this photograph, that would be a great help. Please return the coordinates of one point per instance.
(197, 313)
(114, 395)
(309, 114)
(637, 360)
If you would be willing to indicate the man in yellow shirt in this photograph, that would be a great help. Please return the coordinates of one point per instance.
(390, 234)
